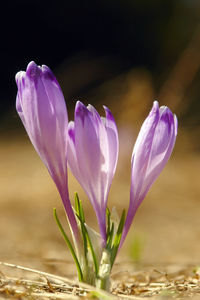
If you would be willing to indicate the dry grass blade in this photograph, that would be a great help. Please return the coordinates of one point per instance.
(154, 283)
(52, 276)
(53, 296)
(47, 286)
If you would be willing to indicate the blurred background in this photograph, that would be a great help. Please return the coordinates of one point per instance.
(122, 54)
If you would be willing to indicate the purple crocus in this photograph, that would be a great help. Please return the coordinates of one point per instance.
(90, 146)
(151, 152)
(41, 107)
(92, 156)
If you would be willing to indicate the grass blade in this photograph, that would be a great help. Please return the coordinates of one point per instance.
(81, 217)
(90, 247)
(117, 238)
(110, 237)
(108, 214)
(80, 274)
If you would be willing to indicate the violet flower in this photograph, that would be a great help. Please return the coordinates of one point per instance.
(90, 146)
(151, 152)
(92, 156)
(41, 107)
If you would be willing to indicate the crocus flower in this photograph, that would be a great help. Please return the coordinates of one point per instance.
(41, 107)
(90, 145)
(151, 152)
(92, 156)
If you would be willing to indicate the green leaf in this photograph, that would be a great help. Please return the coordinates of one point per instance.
(110, 237)
(86, 235)
(79, 207)
(80, 274)
(108, 214)
(117, 238)
(81, 216)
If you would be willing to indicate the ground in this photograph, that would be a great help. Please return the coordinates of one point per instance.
(166, 225)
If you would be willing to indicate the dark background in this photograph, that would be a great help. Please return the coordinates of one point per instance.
(122, 34)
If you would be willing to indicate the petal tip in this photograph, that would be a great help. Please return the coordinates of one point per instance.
(19, 76)
(71, 131)
(80, 109)
(48, 74)
(32, 70)
(108, 113)
(79, 104)
(155, 105)
(155, 109)
(91, 108)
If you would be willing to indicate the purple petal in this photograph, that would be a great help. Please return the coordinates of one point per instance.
(142, 148)
(86, 142)
(93, 153)
(151, 152)
(71, 152)
(113, 142)
(41, 107)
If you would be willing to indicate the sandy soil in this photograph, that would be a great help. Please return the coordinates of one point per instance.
(167, 222)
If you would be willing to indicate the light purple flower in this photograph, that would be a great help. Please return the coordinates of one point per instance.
(92, 156)
(151, 152)
(41, 107)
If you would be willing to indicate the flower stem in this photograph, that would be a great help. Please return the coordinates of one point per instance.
(103, 280)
